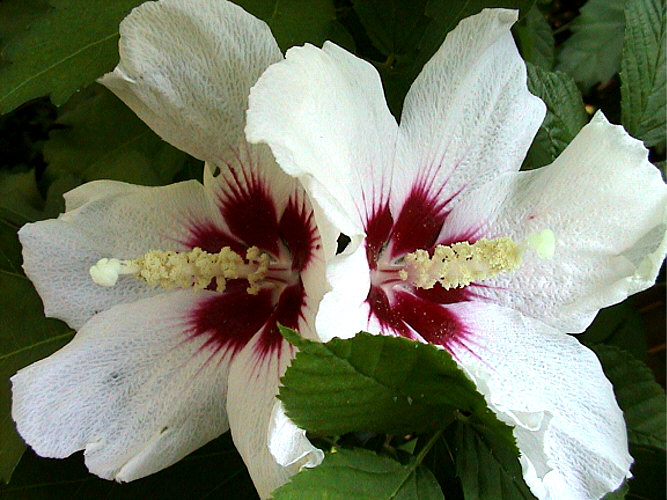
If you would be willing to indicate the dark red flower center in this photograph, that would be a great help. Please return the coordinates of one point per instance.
(399, 307)
(229, 320)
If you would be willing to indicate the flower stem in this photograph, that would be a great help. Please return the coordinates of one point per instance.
(424, 451)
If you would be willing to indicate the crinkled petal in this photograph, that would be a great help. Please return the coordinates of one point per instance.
(253, 387)
(568, 426)
(468, 116)
(135, 393)
(91, 191)
(343, 312)
(186, 68)
(120, 221)
(288, 443)
(607, 206)
(324, 115)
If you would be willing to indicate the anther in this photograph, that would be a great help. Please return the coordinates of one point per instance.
(459, 264)
(194, 269)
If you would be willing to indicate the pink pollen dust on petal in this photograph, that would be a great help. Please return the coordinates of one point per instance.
(435, 323)
(385, 314)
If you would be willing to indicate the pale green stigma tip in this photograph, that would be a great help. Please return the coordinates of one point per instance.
(544, 243)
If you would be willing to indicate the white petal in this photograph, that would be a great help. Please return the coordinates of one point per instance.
(324, 115)
(568, 427)
(131, 389)
(95, 190)
(468, 116)
(124, 224)
(343, 312)
(607, 206)
(249, 169)
(186, 68)
(288, 443)
(253, 386)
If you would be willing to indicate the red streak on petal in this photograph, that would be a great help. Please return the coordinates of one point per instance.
(391, 323)
(408, 313)
(249, 211)
(211, 239)
(287, 312)
(471, 235)
(435, 323)
(419, 222)
(298, 232)
(231, 319)
(378, 228)
(439, 295)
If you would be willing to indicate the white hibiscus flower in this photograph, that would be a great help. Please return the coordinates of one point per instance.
(173, 349)
(446, 181)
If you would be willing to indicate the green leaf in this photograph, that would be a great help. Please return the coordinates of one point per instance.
(65, 49)
(20, 200)
(640, 397)
(535, 39)
(399, 31)
(214, 471)
(55, 203)
(649, 473)
(25, 337)
(295, 22)
(359, 475)
(16, 16)
(662, 166)
(565, 115)
(10, 248)
(104, 139)
(378, 384)
(487, 466)
(422, 38)
(643, 71)
(394, 26)
(593, 53)
(619, 494)
(619, 326)
(448, 14)
(441, 461)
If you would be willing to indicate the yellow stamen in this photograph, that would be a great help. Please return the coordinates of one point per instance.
(255, 278)
(194, 269)
(459, 264)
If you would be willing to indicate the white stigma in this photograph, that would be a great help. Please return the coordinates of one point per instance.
(106, 271)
